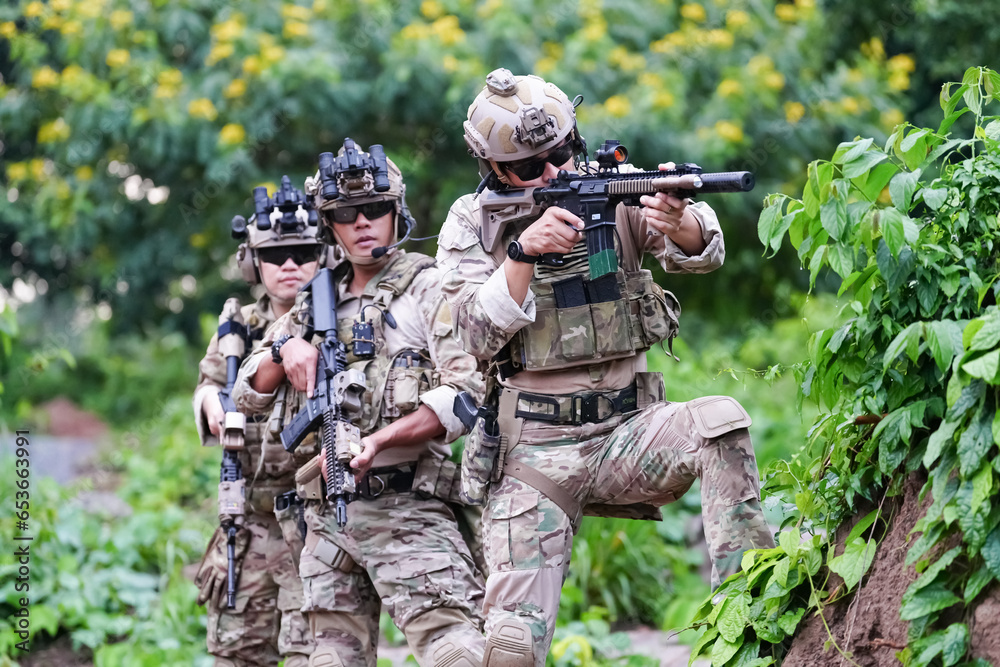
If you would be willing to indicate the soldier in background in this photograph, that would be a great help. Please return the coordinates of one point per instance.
(401, 546)
(577, 424)
(266, 624)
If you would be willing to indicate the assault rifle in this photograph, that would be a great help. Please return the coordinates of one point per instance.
(593, 196)
(232, 486)
(337, 398)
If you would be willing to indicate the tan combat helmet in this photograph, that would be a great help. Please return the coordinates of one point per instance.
(517, 117)
(287, 219)
(355, 178)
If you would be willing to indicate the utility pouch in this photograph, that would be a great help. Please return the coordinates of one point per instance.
(656, 311)
(649, 389)
(409, 377)
(436, 478)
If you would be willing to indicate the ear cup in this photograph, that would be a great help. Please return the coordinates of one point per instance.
(244, 259)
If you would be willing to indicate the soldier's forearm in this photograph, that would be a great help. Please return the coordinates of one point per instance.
(268, 377)
(415, 428)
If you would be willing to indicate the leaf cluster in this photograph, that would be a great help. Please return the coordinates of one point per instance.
(908, 382)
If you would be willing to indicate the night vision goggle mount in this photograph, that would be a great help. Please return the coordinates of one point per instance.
(289, 212)
(353, 174)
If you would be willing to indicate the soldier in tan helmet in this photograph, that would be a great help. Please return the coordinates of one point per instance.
(574, 424)
(401, 548)
(280, 253)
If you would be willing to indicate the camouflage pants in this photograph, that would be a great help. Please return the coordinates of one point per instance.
(652, 457)
(267, 622)
(410, 557)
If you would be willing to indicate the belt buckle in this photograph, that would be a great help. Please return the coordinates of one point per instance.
(283, 501)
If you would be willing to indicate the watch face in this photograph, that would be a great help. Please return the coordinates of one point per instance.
(514, 250)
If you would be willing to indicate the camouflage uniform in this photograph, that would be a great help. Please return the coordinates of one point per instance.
(267, 623)
(400, 547)
(625, 462)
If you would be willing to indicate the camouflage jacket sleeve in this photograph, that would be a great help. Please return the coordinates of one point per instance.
(485, 315)
(211, 379)
(675, 260)
(456, 368)
(247, 400)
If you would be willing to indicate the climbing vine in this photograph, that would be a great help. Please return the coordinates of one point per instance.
(907, 383)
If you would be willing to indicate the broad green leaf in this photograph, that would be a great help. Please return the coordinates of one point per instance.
(979, 580)
(863, 163)
(854, 562)
(783, 226)
(912, 139)
(723, 650)
(857, 532)
(942, 437)
(789, 542)
(984, 366)
(931, 573)
(907, 338)
(944, 339)
(734, 618)
(975, 442)
(950, 100)
(934, 597)
(790, 620)
(833, 215)
(991, 552)
(873, 184)
(901, 188)
(956, 642)
(815, 264)
(992, 130)
(765, 226)
(841, 258)
(709, 635)
(851, 150)
(934, 197)
(987, 335)
(893, 230)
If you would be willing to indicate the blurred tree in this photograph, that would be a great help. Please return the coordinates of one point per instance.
(131, 134)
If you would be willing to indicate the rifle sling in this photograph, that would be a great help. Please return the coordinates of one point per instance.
(547, 487)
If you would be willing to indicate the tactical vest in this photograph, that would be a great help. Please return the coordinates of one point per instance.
(395, 383)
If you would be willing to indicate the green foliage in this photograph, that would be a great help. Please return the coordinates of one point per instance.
(131, 137)
(112, 582)
(908, 382)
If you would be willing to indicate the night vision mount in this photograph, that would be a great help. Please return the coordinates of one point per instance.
(353, 174)
(289, 212)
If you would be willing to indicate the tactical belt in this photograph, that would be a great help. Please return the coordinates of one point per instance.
(577, 409)
(382, 480)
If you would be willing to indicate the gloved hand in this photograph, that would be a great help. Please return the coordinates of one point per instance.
(213, 574)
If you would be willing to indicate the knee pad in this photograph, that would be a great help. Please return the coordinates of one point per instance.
(453, 654)
(509, 645)
(325, 656)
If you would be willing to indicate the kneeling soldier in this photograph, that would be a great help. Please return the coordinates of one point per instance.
(401, 546)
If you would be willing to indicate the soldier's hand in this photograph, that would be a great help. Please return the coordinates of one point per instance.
(663, 211)
(214, 414)
(298, 358)
(362, 463)
(557, 231)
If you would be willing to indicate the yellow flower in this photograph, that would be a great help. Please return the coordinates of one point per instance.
(786, 13)
(794, 111)
(901, 63)
(650, 80)
(489, 8)
(760, 64)
(618, 106)
(873, 49)
(121, 18)
(805, 4)
(693, 12)
(34, 10)
(729, 88)
(8, 29)
(17, 171)
(60, 5)
(450, 63)
(90, 9)
(38, 168)
(219, 52)
(63, 191)
(595, 30)
(319, 6)
(552, 49)
(295, 30)
(719, 38)
(627, 62)
(736, 19)
(432, 9)
(228, 30)
(663, 100)
(252, 65)
(71, 28)
(170, 77)
(891, 117)
(53, 132)
(296, 13)
(45, 77)
(849, 104)
(774, 80)
(202, 108)
(236, 88)
(899, 80)
(84, 173)
(729, 131)
(272, 54)
(73, 75)
(117, 58)
(271, 187)
(448, 31)
(232, 133)
(546, 65)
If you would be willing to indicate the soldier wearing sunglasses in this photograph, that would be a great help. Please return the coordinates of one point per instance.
(573, 423)
(265, 624)
(402, 548)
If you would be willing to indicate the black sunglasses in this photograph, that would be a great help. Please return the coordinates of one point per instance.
(532, 168)
(300, 254)
(347, 214)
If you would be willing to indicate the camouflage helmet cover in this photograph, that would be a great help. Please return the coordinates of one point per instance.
(517, 117)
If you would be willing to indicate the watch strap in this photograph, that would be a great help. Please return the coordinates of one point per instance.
(276, 348)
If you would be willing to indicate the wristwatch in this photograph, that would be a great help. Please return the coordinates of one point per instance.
(516, 252)
(276, 348)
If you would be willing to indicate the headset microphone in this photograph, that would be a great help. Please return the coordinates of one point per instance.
(382, 250)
